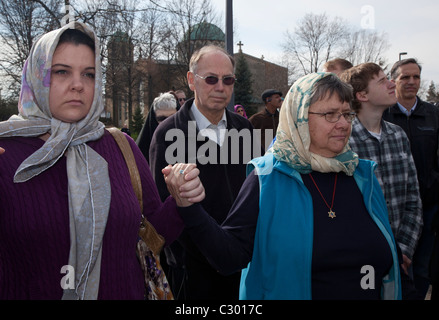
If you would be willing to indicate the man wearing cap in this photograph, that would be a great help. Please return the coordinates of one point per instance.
(268, 119)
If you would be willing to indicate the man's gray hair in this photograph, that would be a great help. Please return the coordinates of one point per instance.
(197, 55)
(394, 72)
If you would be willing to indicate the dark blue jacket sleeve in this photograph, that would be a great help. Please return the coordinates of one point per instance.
(227, 247)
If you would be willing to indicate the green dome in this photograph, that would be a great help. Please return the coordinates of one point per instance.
(207, 31)
(119, 36)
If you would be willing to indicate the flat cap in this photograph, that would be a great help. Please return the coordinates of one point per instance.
(269, 92)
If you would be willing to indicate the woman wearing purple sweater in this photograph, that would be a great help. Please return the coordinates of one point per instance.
(65, 191)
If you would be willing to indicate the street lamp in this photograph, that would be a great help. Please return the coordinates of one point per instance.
(402, 54)
(229, 41)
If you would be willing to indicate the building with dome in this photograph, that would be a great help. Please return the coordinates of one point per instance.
(205, 31)
(152, 77)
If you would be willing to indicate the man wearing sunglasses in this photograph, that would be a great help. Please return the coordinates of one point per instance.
(211, 78)
(268, 119)
(387, 144)
(181, 96)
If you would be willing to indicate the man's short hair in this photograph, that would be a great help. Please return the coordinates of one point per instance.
(332, 64)
(359, 77)
(197, 55)
(394, 72)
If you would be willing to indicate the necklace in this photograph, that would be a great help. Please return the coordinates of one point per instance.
(331, 213)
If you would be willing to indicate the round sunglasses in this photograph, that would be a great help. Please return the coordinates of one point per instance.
(212, 80)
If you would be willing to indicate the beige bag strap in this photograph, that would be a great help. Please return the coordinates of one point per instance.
(125, 147)
(147, 231)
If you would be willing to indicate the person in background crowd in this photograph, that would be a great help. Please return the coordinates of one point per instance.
(125, 128)
(205, 122)
(337, 66)
(310, 221)
(268, 119)
(65, 189)
(239, 109)
(181, 97)
(162, 107)
(420, 121)
(387, 145)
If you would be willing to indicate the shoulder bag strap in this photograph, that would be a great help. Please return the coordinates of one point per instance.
(147, 231)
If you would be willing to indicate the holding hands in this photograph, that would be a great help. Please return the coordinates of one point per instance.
(184, 183)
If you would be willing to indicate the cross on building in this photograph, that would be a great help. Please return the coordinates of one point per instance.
(240, 44)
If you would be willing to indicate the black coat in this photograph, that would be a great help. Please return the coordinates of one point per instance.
(222, 182)
(422, 129)
(144, 139)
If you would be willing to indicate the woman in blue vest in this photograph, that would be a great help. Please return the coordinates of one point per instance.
(310, 221)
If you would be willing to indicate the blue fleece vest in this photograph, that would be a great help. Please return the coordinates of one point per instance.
(282, 255)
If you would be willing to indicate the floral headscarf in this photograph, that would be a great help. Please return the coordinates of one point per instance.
(293, 138)
(88, 181)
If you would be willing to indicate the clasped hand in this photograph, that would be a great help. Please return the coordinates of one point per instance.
(184, 184)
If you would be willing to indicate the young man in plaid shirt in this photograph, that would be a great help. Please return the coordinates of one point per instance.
(386, 144)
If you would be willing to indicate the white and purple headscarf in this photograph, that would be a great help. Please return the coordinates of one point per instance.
(89, 189)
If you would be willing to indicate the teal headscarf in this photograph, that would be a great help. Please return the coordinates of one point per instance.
(293, 138)
(88, 181)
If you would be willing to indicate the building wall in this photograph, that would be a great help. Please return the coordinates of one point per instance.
(266, 75)
(150, 78)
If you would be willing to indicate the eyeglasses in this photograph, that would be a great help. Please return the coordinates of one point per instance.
(182, 99)
(212, 80)
(335, 116)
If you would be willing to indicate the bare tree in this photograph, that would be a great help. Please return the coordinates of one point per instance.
(184, 17)
(156, 30)
(153, 32)
(20, 22)
(365, 46)
(154, 43)
(314, 41)
(318, 39)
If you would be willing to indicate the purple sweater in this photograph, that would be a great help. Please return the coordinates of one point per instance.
(34, 224)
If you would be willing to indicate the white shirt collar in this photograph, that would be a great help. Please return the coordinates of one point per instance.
(405, 111)
(203, 123)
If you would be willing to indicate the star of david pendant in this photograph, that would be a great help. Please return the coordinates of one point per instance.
(331, 214)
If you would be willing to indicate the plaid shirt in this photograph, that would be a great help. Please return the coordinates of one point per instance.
(396, 173)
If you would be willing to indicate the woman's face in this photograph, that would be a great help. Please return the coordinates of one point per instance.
(328, 139)
(72, 82)
(240, 111)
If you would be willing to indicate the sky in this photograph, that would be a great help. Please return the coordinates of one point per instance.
(411, 26)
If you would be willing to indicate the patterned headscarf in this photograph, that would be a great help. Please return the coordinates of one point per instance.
(89, 190)
(293, 138)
